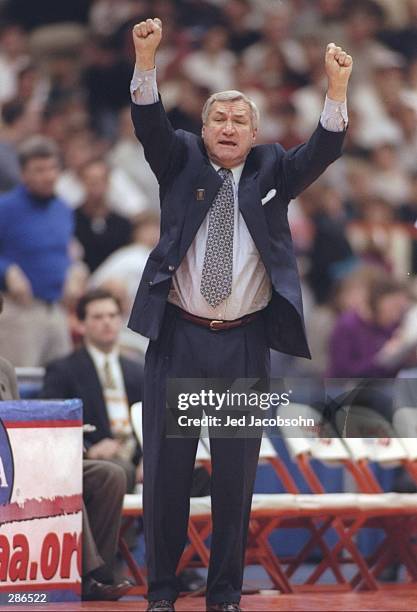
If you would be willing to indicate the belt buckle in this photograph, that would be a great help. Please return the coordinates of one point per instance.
(213, 323)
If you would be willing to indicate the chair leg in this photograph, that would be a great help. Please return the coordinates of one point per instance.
(137, 573)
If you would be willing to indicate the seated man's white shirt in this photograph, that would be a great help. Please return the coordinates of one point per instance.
(115, 398)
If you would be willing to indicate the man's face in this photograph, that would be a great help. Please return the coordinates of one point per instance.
(102, 324)
(40, 175)
(228, 133)
(96, 181)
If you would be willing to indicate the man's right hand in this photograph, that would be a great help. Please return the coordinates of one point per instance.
(107, 448)
(146, 38)
(18, 285)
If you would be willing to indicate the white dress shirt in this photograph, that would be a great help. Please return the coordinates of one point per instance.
(115, 399)
(251, 286)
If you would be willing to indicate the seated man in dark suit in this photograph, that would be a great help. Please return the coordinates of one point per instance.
(107, 383)
(104, 486)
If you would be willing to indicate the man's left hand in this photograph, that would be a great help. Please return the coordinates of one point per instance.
(338, 66)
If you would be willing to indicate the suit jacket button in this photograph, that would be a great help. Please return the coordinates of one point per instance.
(171, 268)
(150, 283)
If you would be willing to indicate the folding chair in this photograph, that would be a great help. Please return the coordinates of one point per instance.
(132, 510)
(387, 511)
(405, 424)
(340, 513)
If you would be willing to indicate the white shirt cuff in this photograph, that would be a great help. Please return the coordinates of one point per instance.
(334, 117)
(143, 87)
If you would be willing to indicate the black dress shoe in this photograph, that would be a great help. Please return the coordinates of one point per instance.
(224, 607)
(161, 605)
(97, 591)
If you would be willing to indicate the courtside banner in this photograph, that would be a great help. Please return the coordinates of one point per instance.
(41, 448)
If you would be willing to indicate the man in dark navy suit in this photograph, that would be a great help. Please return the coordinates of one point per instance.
(218, 291)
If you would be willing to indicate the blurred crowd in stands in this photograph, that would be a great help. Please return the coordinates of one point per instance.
(65, 70)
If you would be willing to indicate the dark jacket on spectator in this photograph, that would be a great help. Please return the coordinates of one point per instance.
(76, 376)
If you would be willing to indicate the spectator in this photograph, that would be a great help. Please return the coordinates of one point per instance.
(104, 487)
(36, 230)
(13, 54)
(239, 17)
(106, 78)
(8, 381)
(186, 114)
(124, 197)
(99, 231)
(404, 39)
(360, 335)
(363, 19)
(276, 35)
(331, 256)
(389, 180)
(127, 156)
(107, 383)
(407, 212)
(377, 239)
(406, 115)
(120, 272)
(78, 151)
(375, 100)
(349, 293)
(15, 127)
(212, 66)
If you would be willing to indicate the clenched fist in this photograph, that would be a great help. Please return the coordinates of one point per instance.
(146, 38)
(338, 66)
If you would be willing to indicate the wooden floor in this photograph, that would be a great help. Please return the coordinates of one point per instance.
(401, 599)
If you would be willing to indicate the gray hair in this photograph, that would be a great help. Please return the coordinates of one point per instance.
(37, 147)
(226, 96)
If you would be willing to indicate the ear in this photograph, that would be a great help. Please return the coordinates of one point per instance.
(202, 131)
(80, 328)
(254, 134)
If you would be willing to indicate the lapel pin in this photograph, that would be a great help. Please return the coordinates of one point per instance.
(200, 194)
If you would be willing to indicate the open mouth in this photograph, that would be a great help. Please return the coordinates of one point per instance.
(227, 143)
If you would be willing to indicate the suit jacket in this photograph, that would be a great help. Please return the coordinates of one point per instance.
(76, 376)
(181, 165)
(8, 382)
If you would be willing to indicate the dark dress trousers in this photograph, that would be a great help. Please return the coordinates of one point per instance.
(182, 349)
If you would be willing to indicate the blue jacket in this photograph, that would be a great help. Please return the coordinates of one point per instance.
(180, 163)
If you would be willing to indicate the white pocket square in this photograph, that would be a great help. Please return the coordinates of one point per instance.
(268, 196)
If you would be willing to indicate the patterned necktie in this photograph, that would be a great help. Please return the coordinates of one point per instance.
(109, 382)
(216, 278)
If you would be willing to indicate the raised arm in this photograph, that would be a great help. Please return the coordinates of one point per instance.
(162, 146)
(302, 165)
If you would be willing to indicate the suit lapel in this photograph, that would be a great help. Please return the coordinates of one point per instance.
(251, 209)
(205, 186)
